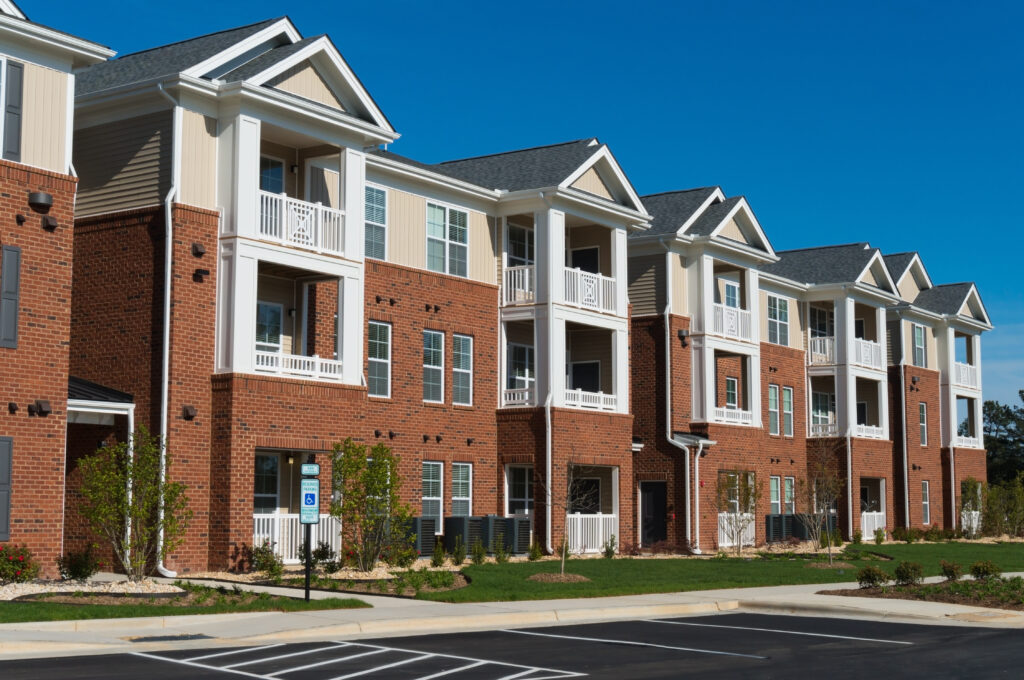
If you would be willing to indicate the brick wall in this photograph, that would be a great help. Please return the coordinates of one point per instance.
(928, 458)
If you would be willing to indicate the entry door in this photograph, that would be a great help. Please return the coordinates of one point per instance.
(587, 259)
(653, 513)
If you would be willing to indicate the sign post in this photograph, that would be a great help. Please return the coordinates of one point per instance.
(309, 511)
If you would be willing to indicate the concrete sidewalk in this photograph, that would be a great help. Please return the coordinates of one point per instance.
(395, 617)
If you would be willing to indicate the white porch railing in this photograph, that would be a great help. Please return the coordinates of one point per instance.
(300, 223)
(968, 442)
(965, 375)
(519, 285)
(590, 291)
(869, 432)
(970, 522)
(821, 351)
(732, 523)
(730, 322)
(521, 396)
(869, 521)
(591, 400)
(867, 353)
(824, 429)
(313, 367)
(589, 533)
(286, 534)
(733, 415)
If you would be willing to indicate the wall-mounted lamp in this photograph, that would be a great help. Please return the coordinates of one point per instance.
(40, 201)
(392, 301)
(428, 306)
(200, 275)
(379, 299)
(437, 308)
(469, 441)
(40, 407)
(392, 434)
(188, 412)
(198, 249)
(291, 312)
(376, 433)
(438, 439)
(291, 459)
(426, 438)
(682, 334)
(20, 219)
(49, 223)
(915, 379)
(12, 407)
(295, 169)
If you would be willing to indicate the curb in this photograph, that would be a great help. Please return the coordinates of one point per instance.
(969, 615)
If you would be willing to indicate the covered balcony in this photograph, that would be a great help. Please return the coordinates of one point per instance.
(867, 347)
(872, 505)
(730, 310)
(821, 334)
(733, 403)
(870, 417)
(823, 347)
(520, 384)
(824, 421)
(966, 372)
(968, 432)
(592, 507)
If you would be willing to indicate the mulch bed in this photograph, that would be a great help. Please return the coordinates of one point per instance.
(558, 578)
(916, 593)
(186, 599)
(825, 565)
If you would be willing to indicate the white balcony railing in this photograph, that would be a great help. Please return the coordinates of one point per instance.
(285, 534)
(869, 521)
(589, 533)
(731, 524)
(300, 223)
(519, 286)
(869, 432)
(730, 322)
(590, 291)
(968, 442)
(294, 365)
(965, 375)
(867, 353)
(733, 416)
(821, 351)
(824, 429)
(520, 396)
(589, 400)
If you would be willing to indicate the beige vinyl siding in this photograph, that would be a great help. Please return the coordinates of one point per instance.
(324, 187)
(874, 277)
(124, 164)
(680, 301)
(198, 160)
(796, 329)
(283, 292)
(908, 288)
(519, 333)
(731, 230)
(931, 345)
(591, 182)
(44, 118)
(593, 345)
(586, 237)
(482, 247)
(304, 80)
(893, 349)
(646, 275)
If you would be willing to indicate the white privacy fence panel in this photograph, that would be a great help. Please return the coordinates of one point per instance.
(730, 524)
(285, 533)
(589, 533)
(731, 322)
(301, 223)
(870, 521)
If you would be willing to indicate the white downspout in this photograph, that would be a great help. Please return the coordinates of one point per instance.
(547, 486)
(952, 487)
(849, 485)
(696, 497)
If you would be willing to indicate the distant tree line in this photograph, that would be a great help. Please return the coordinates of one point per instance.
(1004, 439)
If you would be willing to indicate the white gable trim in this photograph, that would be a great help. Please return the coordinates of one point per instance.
(604, 153)
(877, 259)
(8, 7)
(973, 293)
(284, 26)
(716, 197)
(758, 231)
(916, 262)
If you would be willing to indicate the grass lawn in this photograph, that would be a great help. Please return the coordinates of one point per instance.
(625, 576)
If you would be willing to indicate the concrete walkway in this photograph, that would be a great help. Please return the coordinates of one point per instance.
(394, 617)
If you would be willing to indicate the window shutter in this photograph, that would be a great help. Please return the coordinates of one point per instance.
(12, 112)
(6, 449)
(10, 275)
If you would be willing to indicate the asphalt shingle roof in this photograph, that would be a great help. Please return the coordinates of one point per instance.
(944, 299)
(670, 209)
(827, 264)
(897, 263)
(266, 60)
(161, 61)
(89, 391)
(712, 217)
(534, 168)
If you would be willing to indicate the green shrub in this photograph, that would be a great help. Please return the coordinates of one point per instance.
(909, 573)
(879, 536)
(331, 566)
(458, 552)
(985, 569)
(500, 553)
(899, 534)
(933, 534)
(479, 552)
(951, 570)
(438, 557)
(440, 579)
(78, 565)
(401, 555)
(858, 537)
(17, 565)
(535, 552)
(872, 577)
(265, 560)
(833, 538)
(608, 549)
(416, 579)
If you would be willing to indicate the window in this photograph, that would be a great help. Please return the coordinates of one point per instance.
(376, 217)
(731, 393)
(432, 478)
(787, 411)
(462, 370)
(10, 284)
(920, 355)
(822, 323)
(447, 240)
(379, 370)
(731, 293)
(858, 329)
(520, 367)
(520, 490)
(462, 489)
(271, 175)
(11, 92)
(789, 499)
(520, 246)
(774, 499)
(269, 321)
(926, 509)
(265, 491)
(862, 413)
(773, 410)
(433, 366)
(778, 320)
(823, 405)
(739, 488)
(922, 418)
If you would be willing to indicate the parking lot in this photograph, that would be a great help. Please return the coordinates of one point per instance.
(733, 645)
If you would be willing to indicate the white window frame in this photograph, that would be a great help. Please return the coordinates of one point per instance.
(828, 414)
(787, 413)
(735, 393)
(514, 382)
(775, 495)
(728, 284)
(921, 362)
(572, 371)
(456, 371)
(383, 225)
(926, 503)
(509, 484)
(280, 341)
(439, 368)
(439, 529)
(468, 498)
(922, 421)
(277, 493)
(446, 241)
(733, 489)
(3, 99)
(371, 360)
(531, 247)
(259, 175)
(789, 496)
(780, 326)
(773, 413)
(829, 319)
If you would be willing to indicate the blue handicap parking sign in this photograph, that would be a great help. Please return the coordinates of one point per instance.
(309, 499)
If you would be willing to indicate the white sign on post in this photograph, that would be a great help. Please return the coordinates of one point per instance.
(309, 510)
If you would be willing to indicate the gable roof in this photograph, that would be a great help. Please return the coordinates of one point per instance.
(261, 63)
(949, 298)
(827, 264)
(713, 217)
(166, 60)
(897, 264)
(85, 390)
(533, 168)
(11, 8)
(672, 209)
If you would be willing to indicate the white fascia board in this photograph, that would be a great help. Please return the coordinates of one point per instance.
(605, 153)
(713, 244)
(966, 324)
(401, 169)
(917, 314)
(575, 202)
(716, 196)
(636, 220)
(782, 282)
(90, 406)
(745, 207)
(82, 52)
(240, 48)
(8, 7)
(915, 262)
(877, 258)
(973, 292)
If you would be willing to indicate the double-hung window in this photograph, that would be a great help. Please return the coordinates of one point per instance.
(379, 382)
(376, 227)
(731, 293)
(739, 490)
(520, 246)
(774, 499)
(11, 84)
(520, 490)
(269, 326)
(265, 491)
(520, 367)
(773, 410)
(922, 418)
(731, 393)
(447, 240)
(787, 411)
(433, 477)
(823, 406)
(462, 370)
(271, 175)
(462, 489)
(778, 320)
(920, 347)
(433, 366)
(926, 506)
(789, 496)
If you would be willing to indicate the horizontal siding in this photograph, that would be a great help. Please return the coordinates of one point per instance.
(304, 80)
(44, 118)
(646, 276)
(198, 160)
(591, 182)
(124, 164)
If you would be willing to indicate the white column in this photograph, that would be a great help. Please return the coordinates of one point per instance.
(619, 269)
(620, 366)
(750, 282)
(502, 361)
(754, 387)
(549, 244)
(243, 330)
(707, 292)
(883, 408)
(846, 384)
(880, 330)
(350, 337)
(556, 360)
(709, 382)
(353, 172)
(247, 176)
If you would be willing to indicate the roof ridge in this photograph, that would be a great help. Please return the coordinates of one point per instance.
(948, 285)
(906, 252)
(505, 153)
(197, 37)
(680, 191)
(837, 245)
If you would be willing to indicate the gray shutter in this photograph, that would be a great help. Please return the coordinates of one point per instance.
(6, 450)
(10, 274)
(12, 112)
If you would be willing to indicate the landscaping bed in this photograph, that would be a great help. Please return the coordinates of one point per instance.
(995, 593)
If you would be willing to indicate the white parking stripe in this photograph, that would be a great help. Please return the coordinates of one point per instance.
(324, 663)
(234, 651)
(204, 666)
(283, 656)
(774, 630)
(631, 643)
(532, 669)
(454, 670)
(380, 668)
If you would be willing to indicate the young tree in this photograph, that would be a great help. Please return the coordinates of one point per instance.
(736, 497)
(124, 491)
(820, 492)
(971, 502)
(366, 486)
(576, 495)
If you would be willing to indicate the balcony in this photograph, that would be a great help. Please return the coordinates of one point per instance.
(598, 401)
(821, 351)
(731, 322)
(589, 533)
(519, 285)
(520, 396)
(292, 222)
(297, 366)
(589, 291)
(733, 416)
(285, 534)
(869, 432)
(966, 375)
(824, 429)
(968, 442)
(867, 353)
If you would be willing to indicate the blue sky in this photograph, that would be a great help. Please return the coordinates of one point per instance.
(897, 123)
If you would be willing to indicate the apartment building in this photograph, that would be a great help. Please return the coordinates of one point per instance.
(37, 194)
